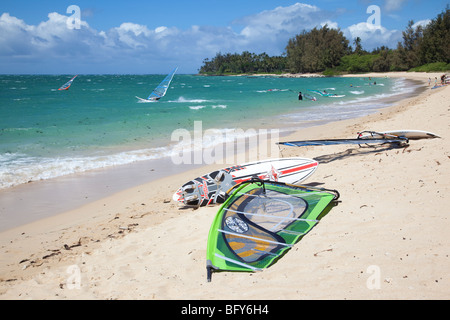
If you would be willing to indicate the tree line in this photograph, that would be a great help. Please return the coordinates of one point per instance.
(329, 51)
(243, 63)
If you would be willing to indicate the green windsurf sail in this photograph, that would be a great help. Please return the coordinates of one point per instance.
(260, 221)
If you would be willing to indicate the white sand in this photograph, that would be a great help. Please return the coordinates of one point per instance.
(387, 239)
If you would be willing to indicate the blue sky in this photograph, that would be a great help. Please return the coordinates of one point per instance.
(150, 36)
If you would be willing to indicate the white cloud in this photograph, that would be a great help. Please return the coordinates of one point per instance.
(131, 35)
(275, 27)
(270, 30)
(52, 47)
(51, 38)
(130, 47)
(422, 23)
(372, 36)
(330, 24)
(281, 19)
(160, 29)
(14, 36)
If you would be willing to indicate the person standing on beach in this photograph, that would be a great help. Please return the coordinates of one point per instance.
(429, 81)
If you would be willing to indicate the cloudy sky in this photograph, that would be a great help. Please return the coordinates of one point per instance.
(147, 36)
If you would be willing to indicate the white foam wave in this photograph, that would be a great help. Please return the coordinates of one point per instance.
(196, 107)
(18, 169)
(199, 107)
(401, 85)
(141, 100)
(354, 107)
(184, 100)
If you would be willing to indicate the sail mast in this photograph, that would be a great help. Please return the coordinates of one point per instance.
(67, 85)
(161, 89)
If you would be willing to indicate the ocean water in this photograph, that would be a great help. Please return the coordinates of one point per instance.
(99, 122)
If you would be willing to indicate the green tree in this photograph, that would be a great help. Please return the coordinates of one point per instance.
(435, 46)
(316, 50)
(411, 44)
(383, 62)
(327, 49)
(358, 47)
(246, 62)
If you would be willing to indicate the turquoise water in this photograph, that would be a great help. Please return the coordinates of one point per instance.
(98, 122)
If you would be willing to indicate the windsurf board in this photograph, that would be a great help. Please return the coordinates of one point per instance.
(211, 188)
(145, 100)
(308, 96)
(438, 86)
(409, 134)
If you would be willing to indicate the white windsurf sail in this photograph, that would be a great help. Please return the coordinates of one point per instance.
(161, 89)
(67, 85)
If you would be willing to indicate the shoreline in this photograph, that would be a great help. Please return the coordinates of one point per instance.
(25, 203)
(34, 253)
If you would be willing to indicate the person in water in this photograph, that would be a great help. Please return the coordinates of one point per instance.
(300, 96)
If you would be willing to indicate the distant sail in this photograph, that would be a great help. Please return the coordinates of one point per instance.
(161, 89)
(67, 85)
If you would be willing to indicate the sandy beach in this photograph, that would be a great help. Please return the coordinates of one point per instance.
(386, 239)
